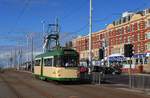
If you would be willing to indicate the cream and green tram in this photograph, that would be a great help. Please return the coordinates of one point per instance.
(59, 65)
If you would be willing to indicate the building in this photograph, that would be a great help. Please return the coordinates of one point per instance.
(132, 27)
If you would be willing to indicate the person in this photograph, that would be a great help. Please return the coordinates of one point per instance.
(67, 64)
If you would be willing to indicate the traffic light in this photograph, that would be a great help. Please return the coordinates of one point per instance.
(128, 50)
(101, 53)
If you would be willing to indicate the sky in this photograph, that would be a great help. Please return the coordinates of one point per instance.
(19, 18)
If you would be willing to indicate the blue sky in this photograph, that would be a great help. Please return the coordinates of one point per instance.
(19, 17)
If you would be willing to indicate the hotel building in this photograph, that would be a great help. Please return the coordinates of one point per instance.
(132, 27)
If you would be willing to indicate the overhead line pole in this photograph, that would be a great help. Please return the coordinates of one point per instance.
(43, 27)
(31, 53)
(27, 52)
(90, 35)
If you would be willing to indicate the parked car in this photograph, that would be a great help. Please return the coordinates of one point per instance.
(112, 70)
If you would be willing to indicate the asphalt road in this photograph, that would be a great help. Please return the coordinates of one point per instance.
(119, 79)
(15, 84)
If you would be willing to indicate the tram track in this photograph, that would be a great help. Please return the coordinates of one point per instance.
(84, 90)
(8, 84)
(81, 90)
(85, 94)
(28, 85)
(53, 90)
(103, 92)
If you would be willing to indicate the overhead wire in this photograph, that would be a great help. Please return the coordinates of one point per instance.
(72, 12)
(72, 35)
(18, 19)
(27, 2)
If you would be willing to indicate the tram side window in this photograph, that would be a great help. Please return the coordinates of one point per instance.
(37, 62)
(57, 61)
(48, 62)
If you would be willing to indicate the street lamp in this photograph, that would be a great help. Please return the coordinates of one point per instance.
(43, 25)
(27, 52)
(30, 36)
(90, 34)
(106, 45)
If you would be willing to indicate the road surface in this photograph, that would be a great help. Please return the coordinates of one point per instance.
(14, 84)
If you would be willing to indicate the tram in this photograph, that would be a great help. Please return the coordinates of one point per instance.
(59, 65)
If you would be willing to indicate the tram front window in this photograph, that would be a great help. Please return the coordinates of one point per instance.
(66, 61)
(69, 61)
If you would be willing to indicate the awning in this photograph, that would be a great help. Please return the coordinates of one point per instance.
(116, 57)
(140, 56)
(147, 54)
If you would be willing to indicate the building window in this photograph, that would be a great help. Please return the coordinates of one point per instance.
(128, 39)
(128, 29)
(138, 37)
(131, 28)
(132, 38)
(147, 35)
(148, 23)
(138, 26)
(135, 26)
(124, 39)
(122, 30)
(148, 46)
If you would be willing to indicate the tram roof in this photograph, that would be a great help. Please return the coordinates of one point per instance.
(56, 53)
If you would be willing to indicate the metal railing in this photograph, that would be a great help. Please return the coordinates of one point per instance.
(93, 77)
(140, 81)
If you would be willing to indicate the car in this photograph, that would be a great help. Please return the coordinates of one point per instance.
(112, 70)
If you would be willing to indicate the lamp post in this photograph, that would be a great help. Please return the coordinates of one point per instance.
(27, 53)
(43, 30)
(90, 35)
(106, 46)
(31, 53)
(31, 38)
(107, 40)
